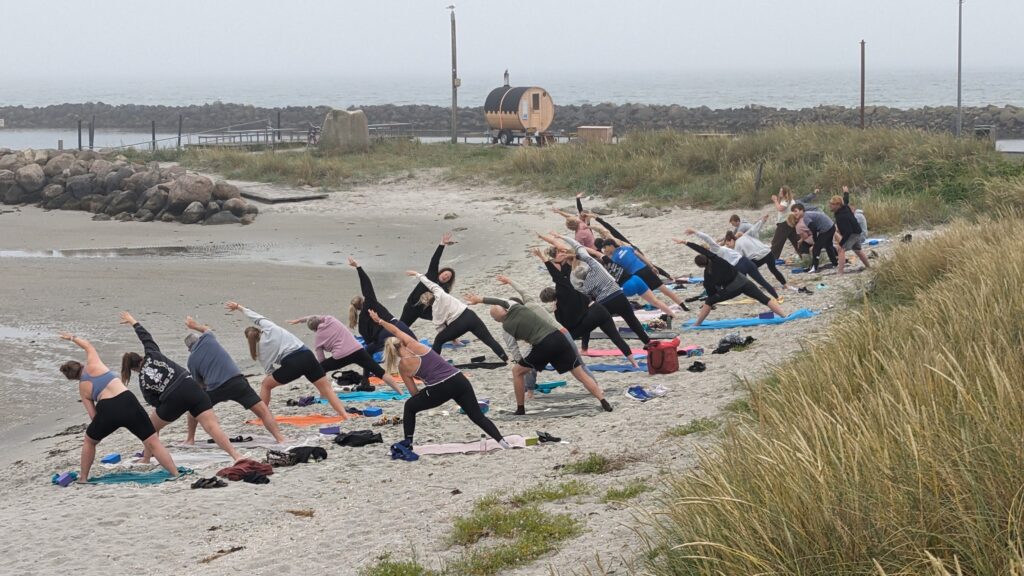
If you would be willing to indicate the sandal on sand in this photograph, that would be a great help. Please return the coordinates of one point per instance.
(396, 420)
(211, 482)
(382, 421)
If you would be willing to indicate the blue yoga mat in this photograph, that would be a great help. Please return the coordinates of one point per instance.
(547, 387)
(367, 396)
(616, 368)
(151, 477)
(744, 322)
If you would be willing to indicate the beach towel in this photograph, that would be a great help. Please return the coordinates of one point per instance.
(377, 396)
(301, 420)
(196, 459)
(617, 367)
(398, 378)
(637, 352)
(150, 477)
(745, 322)
(487, 445)
(563, 405)
(547, 387)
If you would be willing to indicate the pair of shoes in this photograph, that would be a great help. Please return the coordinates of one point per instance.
(403, 451)
(658, 391)
(545, 437)
(353, 410)
(697, 366)
(804, 290)
(235, 440)
(211, 482)
(382, 421)
(812, 270)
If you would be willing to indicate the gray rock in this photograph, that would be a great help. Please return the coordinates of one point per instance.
(252, 209)
(82, 186)
(41, 157)
(101, 167)
(167, 217)
(236, 206)
(144, 215)
(87, 155)
(222, 217)
(101, 217)
(5, 151)
(72, 203)
(124, 201)
(224, 191)
(154, 199)
(212, 207)
(58, 164)
(55, 203)
(142, 181)
(451, 216)
(187, 189)
(31, 178)
(248, 219)
(124, 217)
(171, 173)
(52, 191)
(95, 203)
(16, 194)
(114, 179)
(192, 214)
(11, 162)
(7, 181)
(78, 168)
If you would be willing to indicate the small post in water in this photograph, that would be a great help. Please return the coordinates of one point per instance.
(278, 134)
(179, 131)
(92, 132)
(153, 125)
(79, 133)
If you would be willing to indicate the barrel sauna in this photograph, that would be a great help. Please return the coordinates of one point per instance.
(518, 112)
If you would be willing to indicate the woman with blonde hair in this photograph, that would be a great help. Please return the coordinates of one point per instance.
(359, 314)
(783, 229)
(441, 382)
(272, 345)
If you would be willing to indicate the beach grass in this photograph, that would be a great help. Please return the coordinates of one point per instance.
(595, 464)
(699, 426)
(892, 446)
(631, 489)
(900, 177)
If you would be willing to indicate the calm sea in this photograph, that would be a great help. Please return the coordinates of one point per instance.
(799, 89)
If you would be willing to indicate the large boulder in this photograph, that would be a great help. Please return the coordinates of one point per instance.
(224, 191)
(7, 181)
(58, 164)
(101, 167)
(94, 203)
(14, 195)
(142, 181)
(252, 209)
(52, 191)
(144, 215)
(87, 155)
(11, 161)
(124, 201)
(236, 206)
(58, 202)
(31, 178)
(82, 186)
(78, 168)
(192, 214)
(171, 173)
(114, 180)
(188, 189)
(344, 131)
(154, 199)
(41, 157)
(222, 217)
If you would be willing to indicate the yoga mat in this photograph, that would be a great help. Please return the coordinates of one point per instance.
(190, 459)
(467, 447)
(638, 352)
(481, 365)
(627, 333)
(398, 378)
(547, 387)
(744, 322)
(151, 477)
(446, 346)
(616, 368)
(564, 405)
(304, 420)
(367, 396)
(264, 441)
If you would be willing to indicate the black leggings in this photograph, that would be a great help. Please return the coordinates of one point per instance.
(468, 321)
(769, 260)
(413, 311)
(783, 232)
(740, 285)
(618, 305)
(748, 268)
(360, 357)
(455, 388)
(597, 316)
(824, 241)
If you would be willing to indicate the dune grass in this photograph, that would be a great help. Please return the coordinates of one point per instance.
(632, 489)
(907, 177)
(893, 447)
(698, 426)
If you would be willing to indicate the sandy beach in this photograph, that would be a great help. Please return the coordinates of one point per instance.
(290, 263)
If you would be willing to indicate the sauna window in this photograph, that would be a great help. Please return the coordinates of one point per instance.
(536, 101)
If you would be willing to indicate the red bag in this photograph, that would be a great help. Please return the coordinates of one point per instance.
(663, 356)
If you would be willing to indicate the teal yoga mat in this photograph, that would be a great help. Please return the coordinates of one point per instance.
(745, 322)
(151, 477)
(367, 397)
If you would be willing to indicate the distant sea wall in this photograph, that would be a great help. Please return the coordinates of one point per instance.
(1008, 120)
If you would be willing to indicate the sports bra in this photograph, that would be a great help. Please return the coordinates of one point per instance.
(98, 382)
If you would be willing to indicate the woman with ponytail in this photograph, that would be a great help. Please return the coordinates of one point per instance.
(441, 382)
(170, 389)
(359, 317)
(273, 346)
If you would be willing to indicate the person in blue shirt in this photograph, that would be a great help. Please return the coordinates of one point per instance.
(634, 264)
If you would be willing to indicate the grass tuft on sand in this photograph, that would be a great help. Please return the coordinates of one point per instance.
(632, 489)
(699, 426)
(892, 447)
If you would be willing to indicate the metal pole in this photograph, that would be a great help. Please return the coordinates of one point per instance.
(179, 131)
(455, 86)
(153, 125)
(278, 125)
(861, 84)
(79, 133)
(92, 131)
(959, 78)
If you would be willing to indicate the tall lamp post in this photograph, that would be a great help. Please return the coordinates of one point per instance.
(455, 82)
(959, 66)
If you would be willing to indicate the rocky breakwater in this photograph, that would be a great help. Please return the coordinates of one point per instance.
(112, 187)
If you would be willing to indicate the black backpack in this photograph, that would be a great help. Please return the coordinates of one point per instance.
(358, 438)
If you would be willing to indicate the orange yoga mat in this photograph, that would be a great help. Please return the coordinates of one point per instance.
(378, 382)
(303, 420)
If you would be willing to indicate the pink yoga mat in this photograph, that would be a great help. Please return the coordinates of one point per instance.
(467, 447)
(595, 352)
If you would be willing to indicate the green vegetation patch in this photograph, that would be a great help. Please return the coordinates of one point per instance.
(698, 426)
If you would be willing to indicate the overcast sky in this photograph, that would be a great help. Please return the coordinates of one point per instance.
(190, 38)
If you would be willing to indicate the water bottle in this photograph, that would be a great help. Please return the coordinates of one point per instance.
(483, 444)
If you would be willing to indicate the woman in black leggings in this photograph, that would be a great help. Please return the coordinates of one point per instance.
(442, 382)
(722, 282)
(415, 305)
(574, 310)
(453, 318)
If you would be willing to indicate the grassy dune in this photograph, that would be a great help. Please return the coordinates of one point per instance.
(893, 447)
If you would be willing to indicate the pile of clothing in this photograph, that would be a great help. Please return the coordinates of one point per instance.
(248, 470)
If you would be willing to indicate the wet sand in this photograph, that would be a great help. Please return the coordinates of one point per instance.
(291, 263)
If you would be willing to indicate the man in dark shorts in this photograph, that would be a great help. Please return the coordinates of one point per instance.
(214, 369)
(530, 322)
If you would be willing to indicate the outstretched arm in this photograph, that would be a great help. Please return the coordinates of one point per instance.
(579, 203)
(700, 249)
(712, 245)
(191, 324)
(618, 235)
(148, 344)
(256, 317)
(435, 260)
(510, 282)
(365, 284)
(755, 228)
(90, 352)
(404, 338)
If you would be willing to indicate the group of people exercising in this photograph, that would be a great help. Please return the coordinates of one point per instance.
(593, 278)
